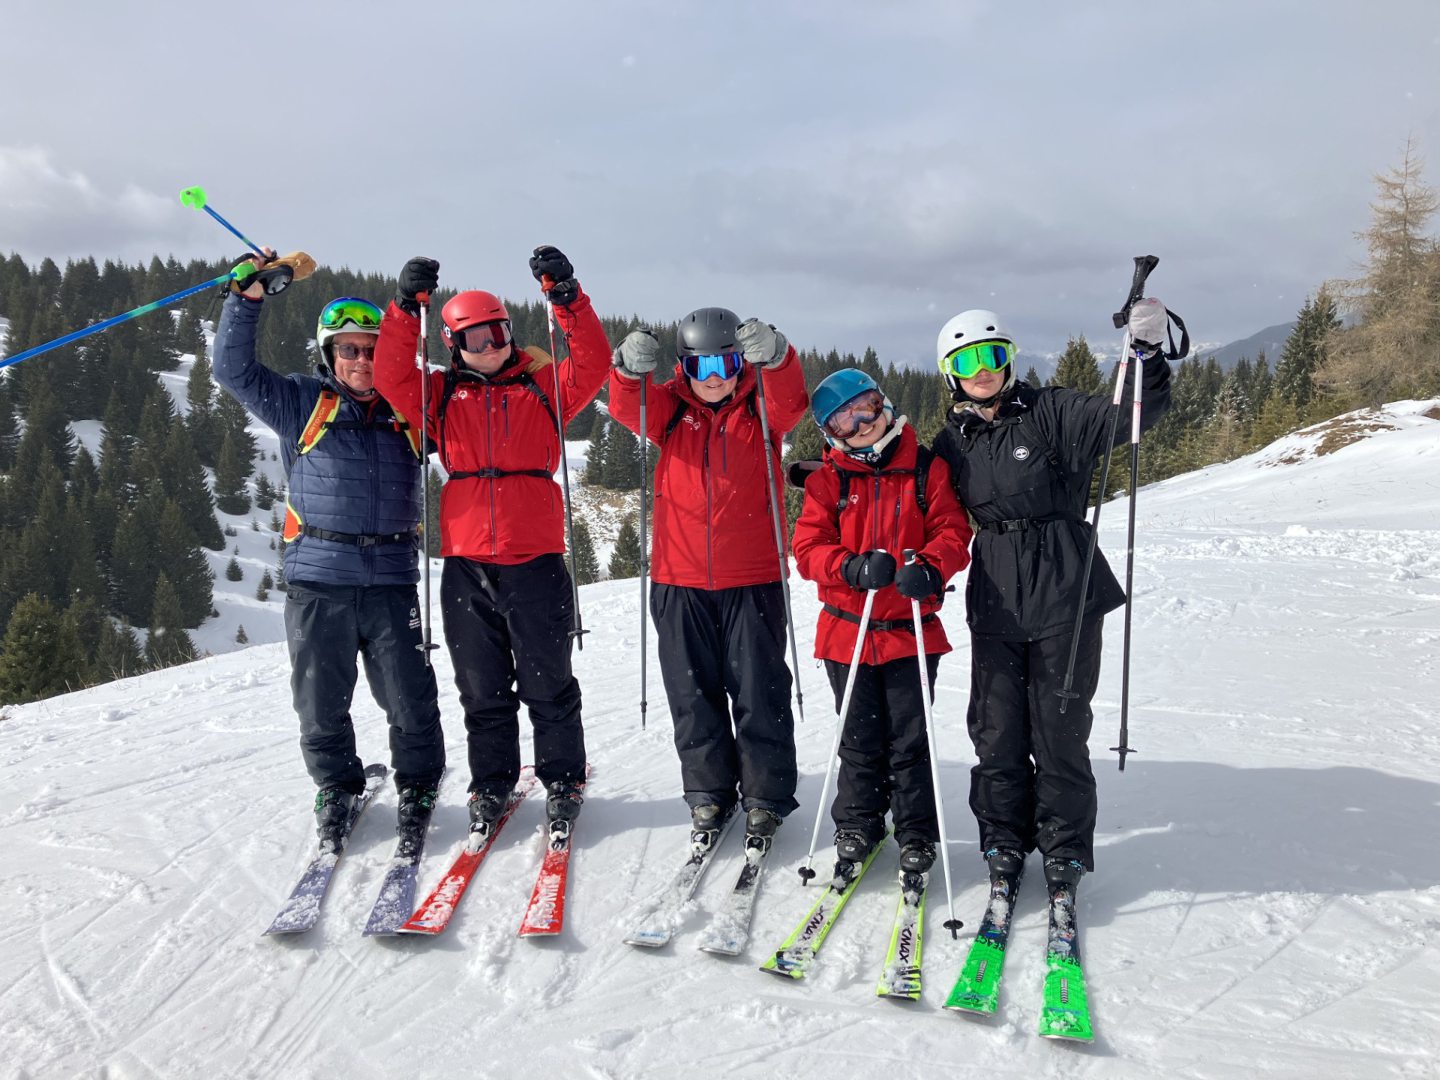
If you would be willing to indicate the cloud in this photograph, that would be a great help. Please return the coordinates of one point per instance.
(46, 210)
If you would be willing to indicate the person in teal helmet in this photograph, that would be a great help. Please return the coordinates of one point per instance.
(878, 493)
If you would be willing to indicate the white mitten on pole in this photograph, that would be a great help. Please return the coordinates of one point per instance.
(1149, 322)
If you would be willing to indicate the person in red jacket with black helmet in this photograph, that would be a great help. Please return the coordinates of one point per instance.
(877, 493)
(505, 592)
(717, 598)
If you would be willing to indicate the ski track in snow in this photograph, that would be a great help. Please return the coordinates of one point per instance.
(1266, 901)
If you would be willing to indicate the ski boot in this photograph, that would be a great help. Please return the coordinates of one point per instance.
(333, 807)
(916, 859)
(562, 806)
(706, 821)
(413, 818)
(760, 827)
(1061, 873)
(486, 808)
(1005, 863)
(851, 849)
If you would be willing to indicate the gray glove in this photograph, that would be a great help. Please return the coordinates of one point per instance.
(638, 354)
(1148, 324)
(761, 343)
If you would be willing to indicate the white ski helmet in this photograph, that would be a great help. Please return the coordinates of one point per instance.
(970, 328)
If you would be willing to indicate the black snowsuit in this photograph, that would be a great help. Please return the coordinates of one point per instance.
(1025, 479)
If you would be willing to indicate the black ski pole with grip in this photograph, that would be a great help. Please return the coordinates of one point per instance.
(1144, 264)
(775, 510)
(578, 633)
(644, 542)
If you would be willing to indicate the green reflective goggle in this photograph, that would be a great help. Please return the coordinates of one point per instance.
(350, 309)
(967, 361)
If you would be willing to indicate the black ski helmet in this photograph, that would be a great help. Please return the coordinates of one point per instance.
(707, 331)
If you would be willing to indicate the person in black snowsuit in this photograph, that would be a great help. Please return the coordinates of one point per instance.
(1021, 459)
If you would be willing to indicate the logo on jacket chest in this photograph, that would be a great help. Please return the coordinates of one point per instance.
(1020, 453)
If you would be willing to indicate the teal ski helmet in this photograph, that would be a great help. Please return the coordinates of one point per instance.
(835, 391)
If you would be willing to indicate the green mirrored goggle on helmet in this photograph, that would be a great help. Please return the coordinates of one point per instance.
(966, 361)
(349, 309)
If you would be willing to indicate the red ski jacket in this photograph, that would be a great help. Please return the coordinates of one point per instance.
(881, 512)
(713, 528)
(496, 436)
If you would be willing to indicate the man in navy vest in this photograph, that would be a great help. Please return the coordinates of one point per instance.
(351, 560)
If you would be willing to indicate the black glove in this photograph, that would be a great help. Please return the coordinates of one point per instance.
(869, 570)
(416, 276)
(551, 262)
(918, 581)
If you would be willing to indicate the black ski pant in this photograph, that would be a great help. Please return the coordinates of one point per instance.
(508, 631)
(326, 626)
(885, 751)
(1032, 786)
(722, 655)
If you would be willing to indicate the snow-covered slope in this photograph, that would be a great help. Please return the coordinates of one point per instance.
(1266, 901)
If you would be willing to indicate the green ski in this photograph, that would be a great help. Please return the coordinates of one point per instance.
(977, 990)
(797, 953)
(1066, 1011)
(901, 977)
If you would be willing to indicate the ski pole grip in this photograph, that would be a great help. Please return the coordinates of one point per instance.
(422, 298)
(908, 555)
(1143, 265)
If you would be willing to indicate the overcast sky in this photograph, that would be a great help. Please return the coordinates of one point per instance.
(855, 173)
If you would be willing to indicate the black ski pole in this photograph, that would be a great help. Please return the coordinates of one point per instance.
(779, 539)
(1124, 747)
(1144, 264)
(644, 541)
(578, 633)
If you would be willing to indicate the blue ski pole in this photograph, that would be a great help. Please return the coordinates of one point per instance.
(196, 199)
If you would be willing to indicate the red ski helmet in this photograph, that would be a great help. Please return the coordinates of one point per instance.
(468, 309)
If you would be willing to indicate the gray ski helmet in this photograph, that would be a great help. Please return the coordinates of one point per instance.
(707, 331)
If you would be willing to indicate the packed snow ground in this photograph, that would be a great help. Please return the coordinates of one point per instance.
(1266, 903)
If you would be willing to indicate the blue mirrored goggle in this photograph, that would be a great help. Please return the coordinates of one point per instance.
(726, 365)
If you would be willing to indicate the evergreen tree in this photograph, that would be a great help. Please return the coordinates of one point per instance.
(264, 493)
(595, 456)
(118, 656)
(625, 559)
(231, 496)
(433, 488)
(201, 418)
(1304, 352)
(233, 571)
(168, 643)
(241, 638)
(584, 566)
(584, 422)
(41, 655)
(622, 459)
(175, 553)
(185, 482)
(1078, 369)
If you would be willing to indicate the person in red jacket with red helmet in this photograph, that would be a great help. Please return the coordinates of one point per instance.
(877, 493)
(505, 592)
(717, 599)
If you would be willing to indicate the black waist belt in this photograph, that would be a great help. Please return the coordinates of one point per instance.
(358, 539)
(1021, 524)
(495, 474)
(880, 624)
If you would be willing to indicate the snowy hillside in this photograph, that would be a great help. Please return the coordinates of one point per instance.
(1267, 900)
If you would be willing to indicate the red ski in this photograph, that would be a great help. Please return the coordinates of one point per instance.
(546, 914)
(433, 915)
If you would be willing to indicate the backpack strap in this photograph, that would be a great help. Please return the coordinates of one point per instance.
(681, 407)
(327, 409)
